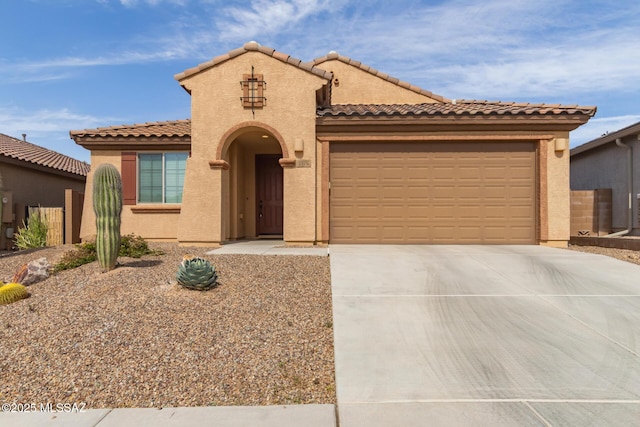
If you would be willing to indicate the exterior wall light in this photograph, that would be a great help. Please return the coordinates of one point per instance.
(561, 144)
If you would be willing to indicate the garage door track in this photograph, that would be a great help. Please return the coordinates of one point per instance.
(485, 335)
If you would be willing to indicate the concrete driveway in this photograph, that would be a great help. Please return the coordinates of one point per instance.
(485, 335)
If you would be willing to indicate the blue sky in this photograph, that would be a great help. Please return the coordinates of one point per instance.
(75, 64)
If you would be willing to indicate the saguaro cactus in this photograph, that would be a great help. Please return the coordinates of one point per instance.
(107, 204)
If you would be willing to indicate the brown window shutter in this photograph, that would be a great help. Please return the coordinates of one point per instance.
(129, 178)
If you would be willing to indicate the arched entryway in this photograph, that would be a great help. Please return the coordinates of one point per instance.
(253, 196)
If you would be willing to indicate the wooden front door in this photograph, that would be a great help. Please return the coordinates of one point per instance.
(269, 200)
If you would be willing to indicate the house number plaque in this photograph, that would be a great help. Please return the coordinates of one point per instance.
(303, 163)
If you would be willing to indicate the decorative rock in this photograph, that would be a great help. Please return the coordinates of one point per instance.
(33, 272)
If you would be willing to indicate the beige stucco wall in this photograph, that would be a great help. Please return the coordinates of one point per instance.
(558, 190)
(352, 85)
(29, 187)
(206, 217)
(151, 226)
(33, 187)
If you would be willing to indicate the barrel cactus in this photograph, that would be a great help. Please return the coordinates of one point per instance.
(107, 205)
(197, 273)
(12, 292)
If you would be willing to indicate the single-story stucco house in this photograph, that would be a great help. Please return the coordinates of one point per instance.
(31, 175)
(334, 151)
(612, 161)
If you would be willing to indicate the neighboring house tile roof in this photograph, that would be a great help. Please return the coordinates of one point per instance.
(457, 108)
(256, 47)
(173, 128)
(334, 55)
(633, 129)
(25, 151)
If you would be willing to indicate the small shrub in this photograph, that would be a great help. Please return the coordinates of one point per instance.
(135, 246)
(12, 292)
(33, 234)
(84, 253)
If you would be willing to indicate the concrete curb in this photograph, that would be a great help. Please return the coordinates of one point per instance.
(219, 416)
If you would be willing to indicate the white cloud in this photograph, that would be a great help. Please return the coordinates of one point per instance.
(608, 63)
(50, 128)
(132, 3)
(18, 120)
(67, 67)
(266, 17)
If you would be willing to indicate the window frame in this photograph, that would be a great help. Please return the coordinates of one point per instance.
(163, 176)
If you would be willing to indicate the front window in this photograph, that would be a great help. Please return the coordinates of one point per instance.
(161, 177)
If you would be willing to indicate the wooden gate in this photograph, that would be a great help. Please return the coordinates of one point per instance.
(54, 218)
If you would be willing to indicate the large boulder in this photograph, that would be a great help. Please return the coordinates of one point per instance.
(32, 272)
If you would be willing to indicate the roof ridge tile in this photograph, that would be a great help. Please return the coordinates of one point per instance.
(254, 46)
(349, 61)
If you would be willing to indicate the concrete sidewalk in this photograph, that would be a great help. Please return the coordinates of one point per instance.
(485, 335)
(221, 416)
(268, 247)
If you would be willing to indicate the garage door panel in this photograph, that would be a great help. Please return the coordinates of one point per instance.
(440, 212)
(432, 193)
(392, 192)
(469, 212)
(365, 212)
(391, 213)
(519, 213)
(493, 212)
(518, 233)
(469, 173)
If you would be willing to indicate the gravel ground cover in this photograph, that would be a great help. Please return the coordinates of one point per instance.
(621, 254)
(134, 338)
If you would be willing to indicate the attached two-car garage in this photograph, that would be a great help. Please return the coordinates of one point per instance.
(433, 192)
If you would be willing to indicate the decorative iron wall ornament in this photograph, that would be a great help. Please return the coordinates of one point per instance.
(253, 87)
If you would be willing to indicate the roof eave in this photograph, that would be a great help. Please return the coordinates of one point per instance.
(42, 168)
(133, 142)
(559, 122)
(633, 129)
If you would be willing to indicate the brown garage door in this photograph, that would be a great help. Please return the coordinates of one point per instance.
(447, 193)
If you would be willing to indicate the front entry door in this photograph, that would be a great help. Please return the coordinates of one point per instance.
(268, 195)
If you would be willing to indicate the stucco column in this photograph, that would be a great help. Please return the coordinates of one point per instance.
(558, 192)
(200, 222)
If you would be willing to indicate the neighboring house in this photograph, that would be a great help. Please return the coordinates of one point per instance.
(335, 151)
(604, 163)
(34, 176)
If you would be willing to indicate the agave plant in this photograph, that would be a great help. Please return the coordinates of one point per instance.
(197, 273)
(12, 292)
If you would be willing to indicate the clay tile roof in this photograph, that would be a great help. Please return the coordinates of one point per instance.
(174, 128)
(458, 108)
(31, 153)
(334, 55)
(253, 46)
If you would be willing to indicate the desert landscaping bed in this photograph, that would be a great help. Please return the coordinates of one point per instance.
(134, 338)
(621, 254)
